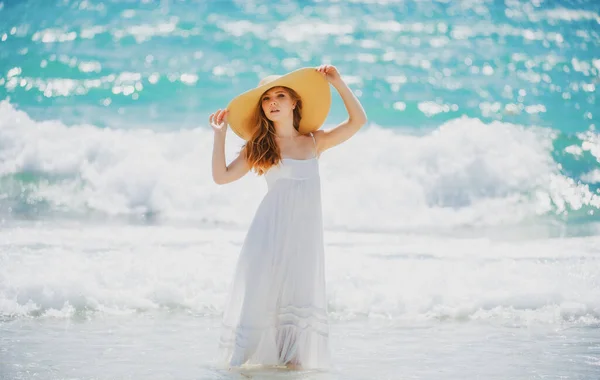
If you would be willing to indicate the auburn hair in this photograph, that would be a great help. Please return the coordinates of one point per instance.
(261, 151)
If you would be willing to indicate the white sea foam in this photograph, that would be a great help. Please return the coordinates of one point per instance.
(464, 173)
(592, 177)
(58, 270)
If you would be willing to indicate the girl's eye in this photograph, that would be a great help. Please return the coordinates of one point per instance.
(281, 95)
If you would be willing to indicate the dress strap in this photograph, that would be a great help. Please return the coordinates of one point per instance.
(315, 143)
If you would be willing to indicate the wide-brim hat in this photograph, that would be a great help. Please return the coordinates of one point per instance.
(310, 85)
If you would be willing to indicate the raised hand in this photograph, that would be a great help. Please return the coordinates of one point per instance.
(330, 73)
(218, 121)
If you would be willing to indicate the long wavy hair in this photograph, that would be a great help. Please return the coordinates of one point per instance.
(261, 151)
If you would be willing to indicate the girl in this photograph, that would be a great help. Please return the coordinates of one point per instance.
(276, 314)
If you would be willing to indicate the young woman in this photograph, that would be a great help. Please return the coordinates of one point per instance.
(276, 314)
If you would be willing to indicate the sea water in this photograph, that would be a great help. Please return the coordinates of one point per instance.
(462, 224)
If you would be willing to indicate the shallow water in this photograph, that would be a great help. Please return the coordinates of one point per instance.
(182, 346)
(143, 301)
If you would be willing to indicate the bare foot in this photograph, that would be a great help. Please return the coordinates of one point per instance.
(293, 366)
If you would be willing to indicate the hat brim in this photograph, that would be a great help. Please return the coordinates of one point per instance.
(310, 85)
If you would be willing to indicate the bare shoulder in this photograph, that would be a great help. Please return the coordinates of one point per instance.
(319, 136)
(306, 138)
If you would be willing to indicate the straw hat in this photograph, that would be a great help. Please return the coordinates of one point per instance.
(307, 82)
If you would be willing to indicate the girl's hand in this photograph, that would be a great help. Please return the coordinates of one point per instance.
(330, 73)
(218, 121)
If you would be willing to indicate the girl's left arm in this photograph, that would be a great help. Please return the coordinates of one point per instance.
(356, 114)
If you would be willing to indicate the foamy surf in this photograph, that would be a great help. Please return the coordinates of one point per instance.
(74, 271)
(463, 173)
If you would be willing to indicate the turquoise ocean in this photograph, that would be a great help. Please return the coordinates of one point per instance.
(462, 222)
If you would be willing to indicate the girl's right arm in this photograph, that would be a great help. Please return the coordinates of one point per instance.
(222, 173)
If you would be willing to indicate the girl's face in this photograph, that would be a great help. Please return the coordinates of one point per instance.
(277, 104)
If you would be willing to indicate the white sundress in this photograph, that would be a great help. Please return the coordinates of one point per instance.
(276, 312)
